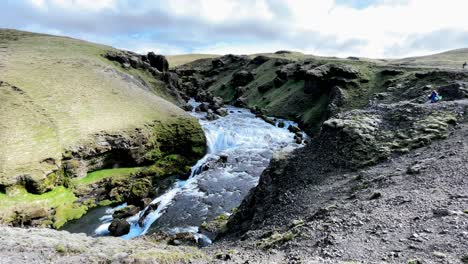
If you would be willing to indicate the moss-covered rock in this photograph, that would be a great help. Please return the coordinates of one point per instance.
(364, 137)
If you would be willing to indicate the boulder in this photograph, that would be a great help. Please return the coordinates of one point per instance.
(119, 227)
(210, 115)
(187, 107)
(221, 111)
(281, 124)
(216, 103)
(158, 61)
(125, 212)
(203, 107)
(242, 78)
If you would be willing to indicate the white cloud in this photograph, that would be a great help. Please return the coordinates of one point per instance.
(80, 5)
(323, 27)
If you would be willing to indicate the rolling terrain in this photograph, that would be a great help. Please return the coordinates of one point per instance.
(382, 178)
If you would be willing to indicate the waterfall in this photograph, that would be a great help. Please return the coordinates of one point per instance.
(249, 142)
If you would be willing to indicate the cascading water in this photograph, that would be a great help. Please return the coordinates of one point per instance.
(246, 144)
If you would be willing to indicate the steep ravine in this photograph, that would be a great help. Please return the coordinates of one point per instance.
(240, 146)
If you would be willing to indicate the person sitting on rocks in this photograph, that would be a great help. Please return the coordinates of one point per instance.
(434, 96)
(464, 65)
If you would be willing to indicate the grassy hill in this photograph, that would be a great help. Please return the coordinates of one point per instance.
(277, 87)
(61, 99)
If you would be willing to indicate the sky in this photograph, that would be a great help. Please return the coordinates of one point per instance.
(365, 28)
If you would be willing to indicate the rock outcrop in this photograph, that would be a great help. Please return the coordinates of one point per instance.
(158, 61)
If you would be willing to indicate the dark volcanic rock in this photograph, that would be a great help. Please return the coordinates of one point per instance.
(294, 129)
(320, 80)
(265, 87)
(158, 61)
(117, 56)
(217, 63)
(151, 208)
(283, 52)
(126, 212)
(392, 72)
(119, 227)
(453, 91)
(278, 82)
(242, 78)
(240, 90)
(260, 60)
(221, 111)
(203, 107)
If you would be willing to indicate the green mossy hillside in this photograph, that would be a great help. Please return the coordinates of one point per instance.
(67, 110)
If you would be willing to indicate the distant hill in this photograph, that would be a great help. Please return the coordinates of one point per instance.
(176, 60)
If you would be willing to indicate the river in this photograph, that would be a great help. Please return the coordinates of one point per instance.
(215, 186)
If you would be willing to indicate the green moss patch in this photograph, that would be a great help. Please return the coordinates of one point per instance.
(99, 175)
(18, 203)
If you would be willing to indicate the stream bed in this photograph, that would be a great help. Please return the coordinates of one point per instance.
(240, 147)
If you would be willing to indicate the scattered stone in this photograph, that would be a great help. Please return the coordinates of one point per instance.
(281, 124)
(223, 256)
(293, 129)
(414, 169)
(376, 195)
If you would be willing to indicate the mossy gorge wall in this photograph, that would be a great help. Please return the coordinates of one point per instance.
(129, 167)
